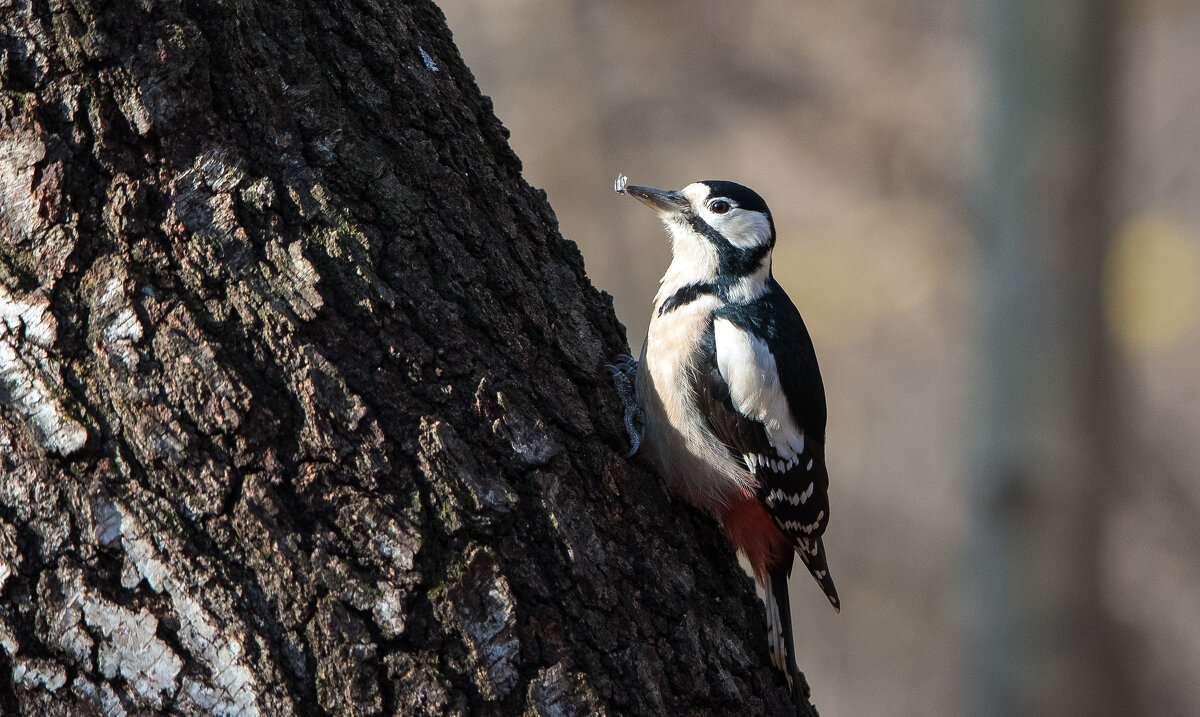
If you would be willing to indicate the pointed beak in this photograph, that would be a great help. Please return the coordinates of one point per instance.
(661, 201)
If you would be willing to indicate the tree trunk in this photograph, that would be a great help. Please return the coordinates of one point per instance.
(302, 400)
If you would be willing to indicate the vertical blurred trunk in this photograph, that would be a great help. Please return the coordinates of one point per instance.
(1041, 642)
(302, 405)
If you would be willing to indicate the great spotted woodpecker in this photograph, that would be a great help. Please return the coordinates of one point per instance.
(731, 395)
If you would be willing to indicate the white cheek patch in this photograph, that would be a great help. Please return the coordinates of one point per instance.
(748, 366)
(743, 229)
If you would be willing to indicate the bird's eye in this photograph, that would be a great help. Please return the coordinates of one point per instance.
(719, 206)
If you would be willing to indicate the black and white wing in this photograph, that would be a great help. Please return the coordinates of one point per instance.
(767, 405)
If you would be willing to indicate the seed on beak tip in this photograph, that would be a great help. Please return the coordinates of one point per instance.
(619, 185)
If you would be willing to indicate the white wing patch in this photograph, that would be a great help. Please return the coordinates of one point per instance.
(748, 366)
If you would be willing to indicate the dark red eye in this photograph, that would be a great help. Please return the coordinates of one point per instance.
(719, 206)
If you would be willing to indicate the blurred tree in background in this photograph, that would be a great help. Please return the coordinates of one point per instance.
(1041, 640)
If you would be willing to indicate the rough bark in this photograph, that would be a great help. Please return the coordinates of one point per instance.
(302, 405)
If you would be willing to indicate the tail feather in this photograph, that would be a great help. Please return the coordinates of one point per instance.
(812, 554)
(779, 627)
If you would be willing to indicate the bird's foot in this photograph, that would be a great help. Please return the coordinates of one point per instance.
(623, 370)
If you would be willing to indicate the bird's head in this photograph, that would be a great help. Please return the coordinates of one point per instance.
(721, 233)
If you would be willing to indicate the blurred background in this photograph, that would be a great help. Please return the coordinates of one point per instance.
(989, 215)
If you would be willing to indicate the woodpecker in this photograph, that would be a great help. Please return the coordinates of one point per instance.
(730, 393)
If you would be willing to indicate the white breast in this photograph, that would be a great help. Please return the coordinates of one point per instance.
(689, 457)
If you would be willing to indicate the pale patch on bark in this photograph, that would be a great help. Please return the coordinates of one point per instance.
(8, 640)
(122, 323)
(131, 649)
(557, 692)
(295, 278)
(29, 378)
(37, 672)
(8, 547)
(109, 702)
(232, 691)
(20, 152)
(67, 629)
(107, 521)
(388, 610)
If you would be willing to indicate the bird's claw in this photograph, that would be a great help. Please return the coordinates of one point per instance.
(623, 370)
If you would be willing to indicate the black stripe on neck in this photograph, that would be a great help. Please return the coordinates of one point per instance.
(734, 261)
(686, 295)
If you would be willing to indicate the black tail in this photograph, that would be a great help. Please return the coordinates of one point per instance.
(779, 629)
(812, 554)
